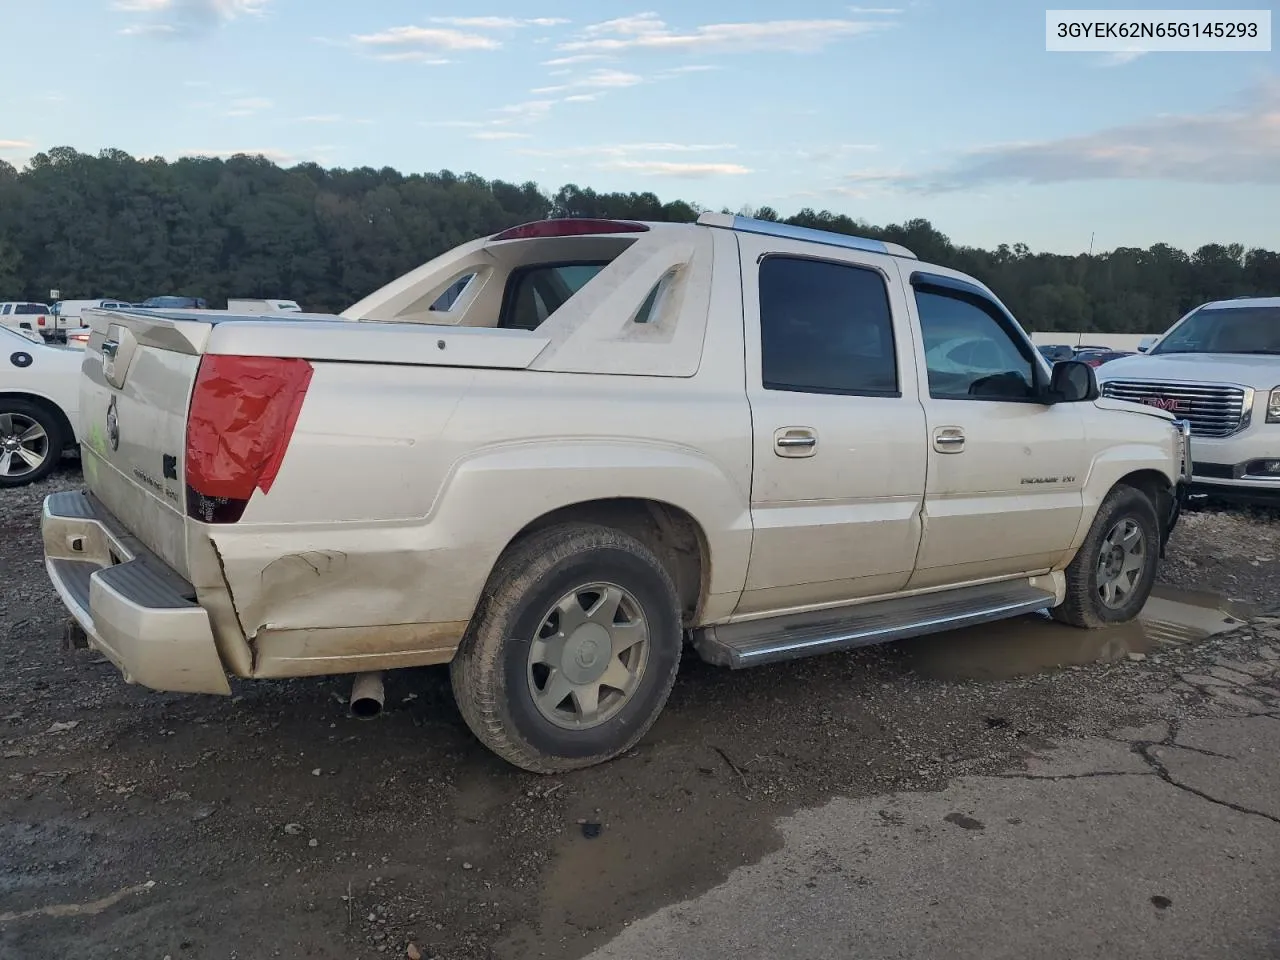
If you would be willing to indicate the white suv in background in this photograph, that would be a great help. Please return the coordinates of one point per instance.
(1219, 368)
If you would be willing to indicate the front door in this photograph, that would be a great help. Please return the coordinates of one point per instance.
(839, 434)
(1005, 492)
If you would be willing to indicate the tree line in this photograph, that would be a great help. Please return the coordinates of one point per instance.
(113, 225)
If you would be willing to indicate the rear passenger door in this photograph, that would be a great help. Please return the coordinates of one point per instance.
(1006, 472)
(839, 434)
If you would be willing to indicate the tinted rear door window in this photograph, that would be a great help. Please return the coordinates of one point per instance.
(825, 328)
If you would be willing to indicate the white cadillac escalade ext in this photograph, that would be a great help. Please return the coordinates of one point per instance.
(550, 456)
(1219, 369)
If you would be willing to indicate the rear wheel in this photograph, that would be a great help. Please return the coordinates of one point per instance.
(31, 442)
(1111, 576)
(572, 651)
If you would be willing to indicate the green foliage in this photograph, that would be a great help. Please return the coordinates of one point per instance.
(116, 226)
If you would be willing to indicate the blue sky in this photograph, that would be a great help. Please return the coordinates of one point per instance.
(946, 109)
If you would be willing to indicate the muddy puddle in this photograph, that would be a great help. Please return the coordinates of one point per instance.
(1036, 643)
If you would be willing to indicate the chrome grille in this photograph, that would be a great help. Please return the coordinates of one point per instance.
(1213, 409)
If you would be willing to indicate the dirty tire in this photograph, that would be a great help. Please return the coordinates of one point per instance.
(52, 427)
(489, 671)
(1083, 606)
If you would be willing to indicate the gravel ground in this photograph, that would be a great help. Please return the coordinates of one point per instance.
(270, 824)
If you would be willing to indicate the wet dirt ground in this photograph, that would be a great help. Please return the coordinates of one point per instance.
(271, 824)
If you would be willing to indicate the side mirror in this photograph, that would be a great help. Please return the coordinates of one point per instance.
(1146, 343)
(1073, 381)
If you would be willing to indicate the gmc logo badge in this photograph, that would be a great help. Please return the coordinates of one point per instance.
(1166, 403)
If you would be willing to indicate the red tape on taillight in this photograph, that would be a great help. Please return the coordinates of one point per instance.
(243, 412)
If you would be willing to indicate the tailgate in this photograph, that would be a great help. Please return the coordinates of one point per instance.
(137, 379)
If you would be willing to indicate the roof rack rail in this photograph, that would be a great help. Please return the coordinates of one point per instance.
(770, 228)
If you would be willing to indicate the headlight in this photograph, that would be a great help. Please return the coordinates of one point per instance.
(1273, 406)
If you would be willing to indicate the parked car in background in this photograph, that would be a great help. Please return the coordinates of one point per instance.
(613, 436)
(26, 315)
(1219, 368)
(69, 317)
(39, 400)
(173, 303)
(1057, 351)
(1097, 357)
(263, 306)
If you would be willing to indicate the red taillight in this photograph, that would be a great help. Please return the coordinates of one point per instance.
(40, 321)
(568, 227)
(243, 411)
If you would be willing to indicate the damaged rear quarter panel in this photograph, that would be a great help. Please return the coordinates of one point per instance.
(403, 485)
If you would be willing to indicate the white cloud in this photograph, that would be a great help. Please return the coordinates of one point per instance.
(413, 56)
(879, 177)
(498, 23)
(647, 31)
(676, 147)
(834, 152)
(575, 59)
(422, 43)
(877, 11)
(1236, 145)
(463, 124)
(529, 110)
(499, 135)
(16, 145)
(1119, 58)
(691, 68)
(640, 158)
(666, 168)
(248, 106)
(623, 149)
(147, 29)
(185, 17)
(452, 35)
(641, 23)
(141, 6)
(597, 80)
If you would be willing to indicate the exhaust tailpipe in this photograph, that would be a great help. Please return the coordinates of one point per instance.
(366, 695)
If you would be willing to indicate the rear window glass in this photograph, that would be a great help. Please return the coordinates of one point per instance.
(535, 293)
(446, 300)
(31, 308)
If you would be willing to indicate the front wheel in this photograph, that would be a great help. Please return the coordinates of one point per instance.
(572, 651)
(1111, 576)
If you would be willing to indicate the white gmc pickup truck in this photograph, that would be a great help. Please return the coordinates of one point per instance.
(1218, 368)
(550, 456)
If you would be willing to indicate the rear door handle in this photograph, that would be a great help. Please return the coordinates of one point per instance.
(794, 441)
(948, 440)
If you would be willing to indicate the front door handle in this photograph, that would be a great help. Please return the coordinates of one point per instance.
(795, 442)
(949, 440)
